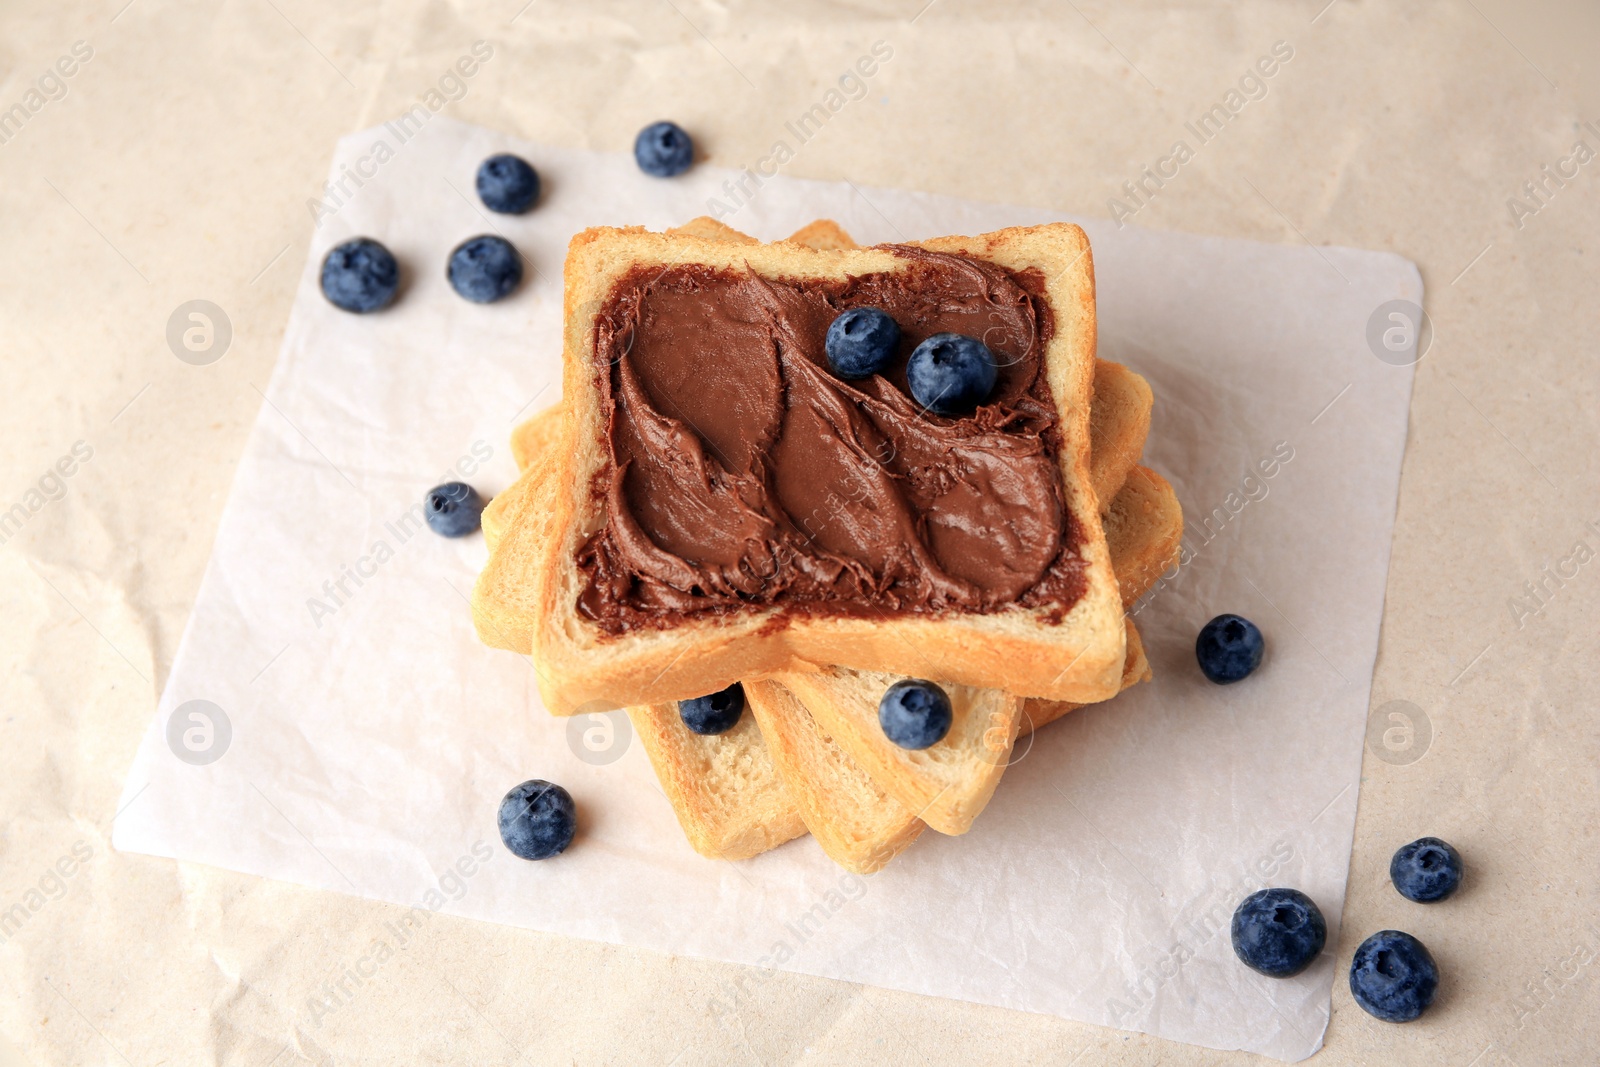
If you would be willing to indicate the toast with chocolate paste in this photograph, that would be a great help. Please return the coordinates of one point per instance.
(857, 824)
(731, 508)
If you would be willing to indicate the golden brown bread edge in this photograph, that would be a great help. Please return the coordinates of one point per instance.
(725, 789)
(583, 669)
(858, 825)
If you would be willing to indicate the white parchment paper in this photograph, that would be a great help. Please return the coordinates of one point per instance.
(368, 736)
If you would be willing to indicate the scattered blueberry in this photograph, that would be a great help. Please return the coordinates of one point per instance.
(483, 269)
(1278, 932)
(1426, 870)
(951, 374)
(537, 820)
(1393, 977)
(1229, 648)
(861, 342)
(360, 275)
(507, 184)
(663, 149)
(914, 714)
(714, 714)
(453, 509)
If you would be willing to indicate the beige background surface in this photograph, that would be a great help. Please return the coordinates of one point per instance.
(178, 165)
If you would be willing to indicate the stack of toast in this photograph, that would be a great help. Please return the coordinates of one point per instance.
(809, 755)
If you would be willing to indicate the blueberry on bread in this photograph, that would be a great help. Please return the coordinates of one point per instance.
(914, 713)
(714, 714)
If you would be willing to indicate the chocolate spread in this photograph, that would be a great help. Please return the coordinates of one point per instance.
(743, 472)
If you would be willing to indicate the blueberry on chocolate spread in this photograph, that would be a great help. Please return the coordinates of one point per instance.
(861, 342)
(951, 374)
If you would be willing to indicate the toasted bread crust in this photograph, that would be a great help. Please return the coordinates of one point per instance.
(1144, 528)
(825, 235)
(725, 789)
(858, 825)
(947, 784)
(585, 668)
(1119, 422)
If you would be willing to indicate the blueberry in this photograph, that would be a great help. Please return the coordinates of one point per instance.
(715, 714)
(507, 184)
(537, 820)
(914, 714)
(1393, 977)
(951, 374)
(360, 275)
(663, 149)
(484, 269)
(1229, 648)
(1278, 932)
(1426, 870)
(453, 509)
(861, 342)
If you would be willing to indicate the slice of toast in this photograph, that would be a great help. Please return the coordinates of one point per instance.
(858, 825)
(725, 789)
(582, 666)
(1119, 414)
